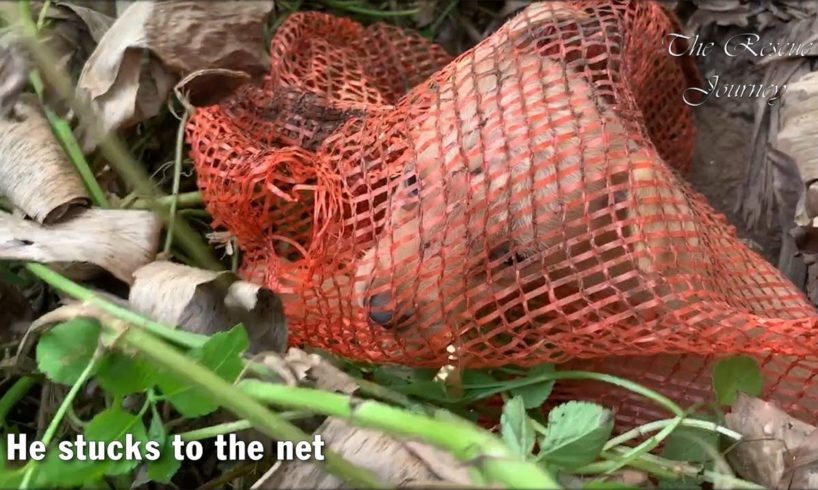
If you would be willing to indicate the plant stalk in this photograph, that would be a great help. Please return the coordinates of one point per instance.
(233, 399)
(464, 440)
(69, 287)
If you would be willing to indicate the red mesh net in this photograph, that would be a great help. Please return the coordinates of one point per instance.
(519, 204)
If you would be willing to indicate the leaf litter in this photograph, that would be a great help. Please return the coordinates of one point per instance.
(207, 302)
(14, 69)
(393, 459)
(35, 173)
(778, 450)
(152, 44)
(131, 79)
(118, 241)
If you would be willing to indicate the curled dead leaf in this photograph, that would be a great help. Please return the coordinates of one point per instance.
(119, 241)
(208, 302)
(35, 174)
(770, 437)
(208, 87)
(772, 175)
(801, 467)
(178, 38)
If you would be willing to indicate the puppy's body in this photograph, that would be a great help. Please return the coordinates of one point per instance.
(523, 179)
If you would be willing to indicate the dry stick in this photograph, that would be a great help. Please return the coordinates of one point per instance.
(113, 149)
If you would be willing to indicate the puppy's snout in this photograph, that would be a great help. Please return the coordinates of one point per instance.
(380, 310)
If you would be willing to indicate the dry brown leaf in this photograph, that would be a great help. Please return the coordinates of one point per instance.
(119, 241)
(178, 38)
(35, 174)
(793, 145)
(743, 13)
(394, 460)
(208, 302)
(97, 19)
(387, 457)
(801, 468)
(442, 464)
(72, 31)
(770, 436)
(765, 182)
(799, 125)
(14, 69)
(208, 87)
(320, 372)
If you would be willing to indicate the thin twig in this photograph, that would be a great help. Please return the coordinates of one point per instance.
(660, 424)
(177, 177)
(183, 200)
(61, 411)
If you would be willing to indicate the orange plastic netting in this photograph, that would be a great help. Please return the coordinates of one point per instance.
(518, 204)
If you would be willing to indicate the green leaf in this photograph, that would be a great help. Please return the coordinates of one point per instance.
(9, 277)
(56, 473)
(121, 375)
(734, 374)
(608, 485)
(163, 469)
(115, 424)
(576, 433)
(478, 385)
(535, 395)
(64, 351)
(477, 377)
(516, 428)
(412, 382)
(222, 355)
(689, 444)
(395, 375)
(156, 431)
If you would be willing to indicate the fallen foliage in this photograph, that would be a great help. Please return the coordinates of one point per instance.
(176, 38)
(119, 241)
(207, 302)
(35, 174)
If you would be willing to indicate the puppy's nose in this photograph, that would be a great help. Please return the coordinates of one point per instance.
(380, 312)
